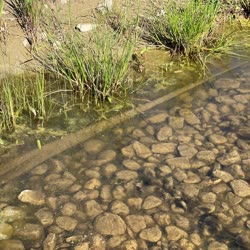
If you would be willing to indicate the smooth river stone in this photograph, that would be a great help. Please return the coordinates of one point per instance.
(187, 150)
(163, 148)
(11, 244)
(164, 133)
(93, 146)
(30, 231)
(179, 162)
(67, 223)
(206, 156)
(6, 231)
(240, 188)
(45, 217)
(107, 155)
(174, 233)
(141, 150)
(128, 151)
(120, 208)
(136, 222)
(50, 242)
(229, 158)
(11, 213)
(223, 175)
(152, 234)
(92, 208)
(130, 164)
(217, 139)
(215, 245)
(33, 197)
(92, 184)
(226, 83)
(110, 224)
(189, 117)
(176, 122)
(126, 175)
(151, 202)
(158, 118)
(40, 170)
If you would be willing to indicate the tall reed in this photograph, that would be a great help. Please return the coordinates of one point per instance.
(22, 97)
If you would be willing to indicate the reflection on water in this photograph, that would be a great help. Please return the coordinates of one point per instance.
(176, 177)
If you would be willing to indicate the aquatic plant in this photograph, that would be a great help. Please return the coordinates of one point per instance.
(22, 97)
(245, 5)
(185, 27)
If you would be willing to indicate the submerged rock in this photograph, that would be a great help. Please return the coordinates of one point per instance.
(152, 234)
(240, 188)
(215, 245)
(179, 162)
(158, 118)
(11, 213)
(164, 133)
(206, 156)
(126, 175)
(187, 150)
(33, 197)
(110, 224)
(11, 244)
(92, 208)
(29, 231)
(141, 150)
(93, 146)
(217, 139)
(230, 158)
(45, 217)
(226, 83)
(67, 223)
(163, 148)
(174, 233)
(189, 117)
(6, 231)
(50, 242)
(136, 222)
(151, 202)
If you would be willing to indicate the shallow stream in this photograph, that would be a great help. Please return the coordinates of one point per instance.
(174, 177)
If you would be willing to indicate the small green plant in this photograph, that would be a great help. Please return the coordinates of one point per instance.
(245, 5)
(185, 27)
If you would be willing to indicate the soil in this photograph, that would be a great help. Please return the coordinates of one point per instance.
(15, 57)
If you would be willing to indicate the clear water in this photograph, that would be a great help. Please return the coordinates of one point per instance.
(200, 189)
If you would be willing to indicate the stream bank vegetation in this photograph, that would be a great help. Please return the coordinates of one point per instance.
(191, 29)
(95, 67)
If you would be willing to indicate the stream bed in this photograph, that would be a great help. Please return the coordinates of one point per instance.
(175, 177)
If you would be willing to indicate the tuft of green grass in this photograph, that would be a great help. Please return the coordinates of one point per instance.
(95, 66)
(186, 28)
